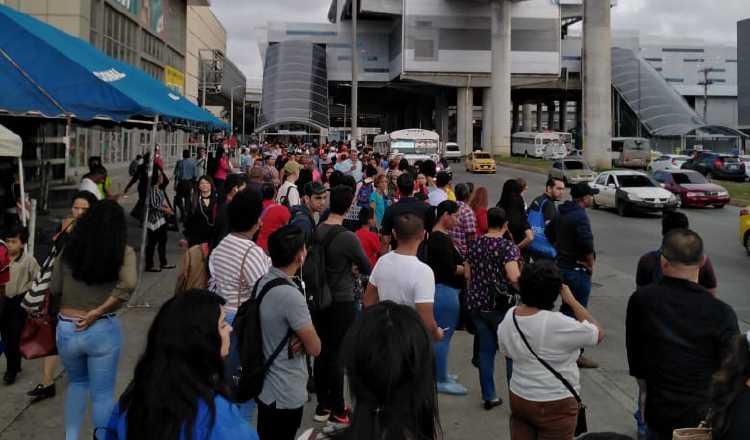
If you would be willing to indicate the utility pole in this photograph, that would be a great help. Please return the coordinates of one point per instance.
(705, 83)
(355, 74)
(244, 104)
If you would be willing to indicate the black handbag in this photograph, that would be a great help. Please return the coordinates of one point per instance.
(581, 425)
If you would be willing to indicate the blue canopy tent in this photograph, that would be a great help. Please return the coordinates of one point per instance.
(48, 72)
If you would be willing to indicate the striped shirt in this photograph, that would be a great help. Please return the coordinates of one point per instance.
(225, 264)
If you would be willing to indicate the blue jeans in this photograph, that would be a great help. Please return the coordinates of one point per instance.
(579, 282)
(487, 340)
(447, 311)
(247, 409)
(90, 359)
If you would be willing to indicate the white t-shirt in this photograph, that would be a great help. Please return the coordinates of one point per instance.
(293, 192)
(225, 264)
(437, 196)
(557, 339)
(403, 279)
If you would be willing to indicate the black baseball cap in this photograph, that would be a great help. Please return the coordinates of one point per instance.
(313, 188)
(580, 190)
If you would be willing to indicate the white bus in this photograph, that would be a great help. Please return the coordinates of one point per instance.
(547, 145)
(412, 144)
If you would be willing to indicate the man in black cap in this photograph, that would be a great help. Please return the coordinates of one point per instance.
(571, 234)
(313, 201)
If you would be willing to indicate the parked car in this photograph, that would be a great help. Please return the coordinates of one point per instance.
(692, 188)
(745, 228)
(629, 152)
(746, 160)
(480, 162)
(452, 152)
(668, 162)
(572, 171)
(629, 191)
(720, 166)
(554, 152)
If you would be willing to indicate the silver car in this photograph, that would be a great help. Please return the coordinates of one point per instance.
(572, 171)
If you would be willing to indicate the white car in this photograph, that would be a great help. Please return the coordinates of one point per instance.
(628, 191)
(746, 161)
(667, 162)
(452, 152)
(554, 151)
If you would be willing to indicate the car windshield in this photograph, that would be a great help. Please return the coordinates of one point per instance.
(637, 144)
(575, 165)
(683, 178)
(482, 155)
(635, 181)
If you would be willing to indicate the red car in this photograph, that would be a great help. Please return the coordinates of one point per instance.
(692, 188)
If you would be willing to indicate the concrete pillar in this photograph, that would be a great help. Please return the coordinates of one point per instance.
(539, 111)
(579, 116)
(563, 115)
(441, 117)
(597, 82)
(487, 119)
(527, 117)
(464, 118)
(500, 76)
(551, 109)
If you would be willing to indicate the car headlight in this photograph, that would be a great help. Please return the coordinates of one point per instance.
(694, 194)
(633, 197)
(723, 194)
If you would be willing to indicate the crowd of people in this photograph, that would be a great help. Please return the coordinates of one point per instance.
(333, 265)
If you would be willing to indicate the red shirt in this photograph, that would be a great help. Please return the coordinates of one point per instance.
(481, 215)
(370, 244)
(273, 217)
(4, 265)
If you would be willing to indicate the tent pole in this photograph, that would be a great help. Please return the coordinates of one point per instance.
(23, 190)
(144, 230)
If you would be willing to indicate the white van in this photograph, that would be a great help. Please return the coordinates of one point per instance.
(549, 145)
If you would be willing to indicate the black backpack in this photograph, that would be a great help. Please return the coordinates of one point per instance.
(313, 271)
(284, 200)
(247, 380)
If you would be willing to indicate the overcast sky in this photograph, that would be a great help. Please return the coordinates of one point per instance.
(715, 21)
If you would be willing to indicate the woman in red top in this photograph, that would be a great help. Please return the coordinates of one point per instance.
(223, 167)
(369, 240)
(272, 217)
(478, 203)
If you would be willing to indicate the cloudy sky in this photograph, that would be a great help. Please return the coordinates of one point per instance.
(715, 21)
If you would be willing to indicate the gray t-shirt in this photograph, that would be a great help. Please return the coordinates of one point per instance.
(344, 252)
(283, 307)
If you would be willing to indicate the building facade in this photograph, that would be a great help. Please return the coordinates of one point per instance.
(743, 74)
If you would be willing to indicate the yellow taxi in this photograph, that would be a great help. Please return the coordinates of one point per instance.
(480, 162)
(745, 228)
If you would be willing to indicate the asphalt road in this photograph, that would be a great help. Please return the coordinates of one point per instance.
(608, 391)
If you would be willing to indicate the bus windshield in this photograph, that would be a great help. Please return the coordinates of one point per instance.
(420, 145)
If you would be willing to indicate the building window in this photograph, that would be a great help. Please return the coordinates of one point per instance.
(659, 69)
(376, 70)
(311, 33)
(654, 60)
(118, 35)
(152, 69)
(681, 50)
(674, 80)
(694, 60)
(716, 80)
(731, 60)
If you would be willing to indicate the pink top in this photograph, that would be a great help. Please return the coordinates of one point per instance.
(222, 169)
(316, 175)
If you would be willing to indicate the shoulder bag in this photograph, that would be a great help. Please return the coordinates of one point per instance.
(581, 426)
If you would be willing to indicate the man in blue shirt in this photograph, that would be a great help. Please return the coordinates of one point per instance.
(185, 176)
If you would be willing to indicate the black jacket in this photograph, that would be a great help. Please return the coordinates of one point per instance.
(570, 232)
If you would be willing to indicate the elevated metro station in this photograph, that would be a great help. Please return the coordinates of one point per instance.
(448, 64)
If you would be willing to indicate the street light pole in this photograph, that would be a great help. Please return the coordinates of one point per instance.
(244, 104)
(355, 73)
(705, 83)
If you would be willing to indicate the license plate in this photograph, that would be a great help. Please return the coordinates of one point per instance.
(732, 167)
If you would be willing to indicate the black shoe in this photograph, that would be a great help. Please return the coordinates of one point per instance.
(40, 392)
(489, 404)
(168, 266)
(152, 269)
(9, 378)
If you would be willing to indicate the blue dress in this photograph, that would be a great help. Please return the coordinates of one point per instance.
(228, 425)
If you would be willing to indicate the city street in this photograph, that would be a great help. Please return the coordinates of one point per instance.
(608, 392)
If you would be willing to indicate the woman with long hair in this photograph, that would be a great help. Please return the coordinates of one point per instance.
(518, 223)
(223, 166)
(177, 392)
(730, 402)
(82, 202)
(478, 203)
(387, 355)
(95, 276)
(201, 220)
(156, 224)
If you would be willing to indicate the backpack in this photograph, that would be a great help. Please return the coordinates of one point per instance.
(313, 271)
(284, 200)
(133, 168)
(248, 378)
(540, 245)
(193, 272)
(363, 196)
(422, 252)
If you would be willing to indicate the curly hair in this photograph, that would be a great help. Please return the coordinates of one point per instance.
(96, 249)
(728, 383)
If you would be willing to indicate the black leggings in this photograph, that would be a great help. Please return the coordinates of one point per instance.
(278, 424)
(331, 324)
(154, 238)
(12, 320)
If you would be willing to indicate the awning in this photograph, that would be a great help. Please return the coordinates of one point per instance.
(46, 71)
(10, 143)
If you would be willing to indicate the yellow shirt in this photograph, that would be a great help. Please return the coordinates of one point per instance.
(451, 194)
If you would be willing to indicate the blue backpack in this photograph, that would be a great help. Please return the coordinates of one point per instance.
(540, 245)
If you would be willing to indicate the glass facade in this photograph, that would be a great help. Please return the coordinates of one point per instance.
(295, 85)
